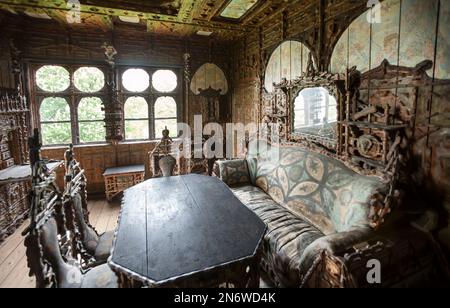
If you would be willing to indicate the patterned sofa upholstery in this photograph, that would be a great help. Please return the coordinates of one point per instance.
(310, 203)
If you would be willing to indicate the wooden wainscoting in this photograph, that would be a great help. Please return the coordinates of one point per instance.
(94, 159)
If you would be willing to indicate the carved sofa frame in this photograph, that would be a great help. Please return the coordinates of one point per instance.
(322, 216)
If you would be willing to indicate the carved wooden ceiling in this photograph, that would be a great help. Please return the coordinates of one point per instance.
(226, 19)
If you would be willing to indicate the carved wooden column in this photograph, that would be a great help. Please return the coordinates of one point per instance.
(187, 82)
(113, 108)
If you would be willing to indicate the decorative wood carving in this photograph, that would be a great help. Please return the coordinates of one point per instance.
(113, 108)
(44, 197)
(166, 148)
(211, 105)
(280, 104)
(13, 151)
(374, 123)
(398, 252)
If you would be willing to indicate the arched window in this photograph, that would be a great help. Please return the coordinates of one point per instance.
(91, 120)
(55, 121)
(140, 121)
(61, 91)
(136, 118)
(165, 116)
(289, 60)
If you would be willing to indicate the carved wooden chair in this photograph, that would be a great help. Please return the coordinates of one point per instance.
(46, 257)
(94, 248)
(165, 159)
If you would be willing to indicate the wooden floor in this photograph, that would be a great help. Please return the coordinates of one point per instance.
(13, 262)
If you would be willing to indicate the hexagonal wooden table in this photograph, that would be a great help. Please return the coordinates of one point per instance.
(186, 231)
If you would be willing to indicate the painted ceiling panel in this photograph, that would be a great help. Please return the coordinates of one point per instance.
(169, 7)
(166, 17)
(238, 8)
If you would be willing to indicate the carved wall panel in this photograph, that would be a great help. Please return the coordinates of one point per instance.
(13, 151)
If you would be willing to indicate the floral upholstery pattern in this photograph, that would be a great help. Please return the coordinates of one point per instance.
(315, 187)
(310, 203)
(233, 172)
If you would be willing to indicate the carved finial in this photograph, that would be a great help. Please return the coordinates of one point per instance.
(166, 134)
(68, 157)
(310, 69)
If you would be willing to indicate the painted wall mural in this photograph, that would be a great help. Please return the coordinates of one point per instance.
(288, 61)
(207, 76)
(417, 38)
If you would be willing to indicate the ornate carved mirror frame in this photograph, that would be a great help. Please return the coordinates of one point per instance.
(331, 83)
(282, 103)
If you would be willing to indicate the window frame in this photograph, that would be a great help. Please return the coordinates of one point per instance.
(151, 95)
(162, 119)
(125, 119)
(41, 100)
(72, 95)
(89, 121)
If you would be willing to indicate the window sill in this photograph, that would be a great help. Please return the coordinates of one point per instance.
(96, 145)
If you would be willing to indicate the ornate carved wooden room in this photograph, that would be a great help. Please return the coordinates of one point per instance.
(336, 173)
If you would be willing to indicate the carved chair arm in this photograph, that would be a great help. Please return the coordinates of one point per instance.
(232, 172)
(333, 244)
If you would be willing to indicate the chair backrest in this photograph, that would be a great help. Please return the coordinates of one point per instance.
(89, 236)
(44, 247)
(316, 187)
(169, 152)
(85, 238)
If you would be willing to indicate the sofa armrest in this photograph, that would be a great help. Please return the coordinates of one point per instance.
(333, 244)
(232, 172)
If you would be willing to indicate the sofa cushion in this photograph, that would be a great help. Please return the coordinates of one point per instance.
(233, 172)
(286, 238)
(315, 187)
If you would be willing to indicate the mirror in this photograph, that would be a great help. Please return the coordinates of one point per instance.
(315, 113)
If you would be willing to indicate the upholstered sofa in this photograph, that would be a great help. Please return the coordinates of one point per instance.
(310, 202)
